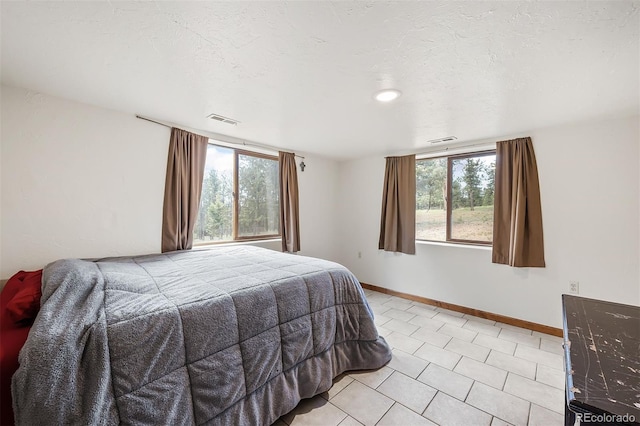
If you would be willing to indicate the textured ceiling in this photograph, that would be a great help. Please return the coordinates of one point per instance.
(301, 75)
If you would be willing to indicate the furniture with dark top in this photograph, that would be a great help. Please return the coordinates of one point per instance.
(602, 361)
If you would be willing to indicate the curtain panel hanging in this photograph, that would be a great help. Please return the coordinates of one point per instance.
(398, 219)
(183, 186)
(289, 210)
(517, 223)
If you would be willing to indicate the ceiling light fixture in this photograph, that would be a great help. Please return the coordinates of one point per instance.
(387, 95)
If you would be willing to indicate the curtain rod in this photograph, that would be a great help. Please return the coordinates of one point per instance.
(216, 136)
(444, 149)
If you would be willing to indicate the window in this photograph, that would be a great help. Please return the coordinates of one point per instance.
(454, 198)
(240, 197)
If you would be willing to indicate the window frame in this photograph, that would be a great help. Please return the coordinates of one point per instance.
(448, 205)
(236, 198)
(235, 206)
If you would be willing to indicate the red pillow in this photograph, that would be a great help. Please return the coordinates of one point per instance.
(24, 306)
(20, 299)
(23, 298)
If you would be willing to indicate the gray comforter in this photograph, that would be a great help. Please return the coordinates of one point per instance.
(234, 335)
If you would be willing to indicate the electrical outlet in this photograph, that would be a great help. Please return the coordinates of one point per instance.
(574, 287)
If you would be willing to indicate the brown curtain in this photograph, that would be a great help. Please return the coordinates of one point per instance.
(398, 222)
(183, 186)
(517, 222)
(289, 211)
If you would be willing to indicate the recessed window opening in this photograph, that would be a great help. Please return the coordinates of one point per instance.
(454, 198)
(240, 198)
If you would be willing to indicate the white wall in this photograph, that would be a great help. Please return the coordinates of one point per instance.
(82, 181)
(590, 200)
(318, 188)
(77, 181)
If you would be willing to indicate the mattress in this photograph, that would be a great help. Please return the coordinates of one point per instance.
(230, 335)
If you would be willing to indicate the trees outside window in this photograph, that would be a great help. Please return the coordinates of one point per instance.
(454, 198)
(258, 196)
(240, 197)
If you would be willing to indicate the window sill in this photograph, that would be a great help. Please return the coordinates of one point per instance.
(447, 244)
(208, 245)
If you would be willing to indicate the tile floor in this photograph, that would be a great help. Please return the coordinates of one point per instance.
(447, 369)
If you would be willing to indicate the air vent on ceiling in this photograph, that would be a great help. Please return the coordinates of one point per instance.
(445, 139)
(222, 119)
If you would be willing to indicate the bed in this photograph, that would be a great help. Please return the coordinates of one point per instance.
(230, 335)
